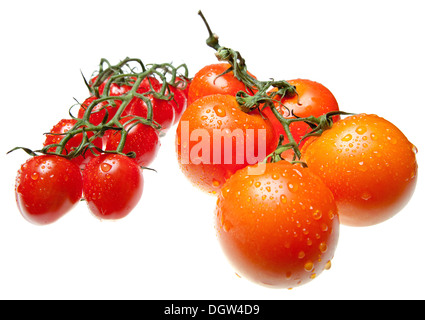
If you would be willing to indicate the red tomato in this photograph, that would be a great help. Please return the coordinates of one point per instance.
(112, 186)
(64, 126)
(162, 111)
(46, 188)
(280, 227)
(184, 85)
(207, 81)
(141, 139)
(313, 99)
(99, 111)
(179, 103)
(369, 165)
(215, 139)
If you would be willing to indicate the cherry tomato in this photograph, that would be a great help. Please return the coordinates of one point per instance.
(112, 186)
(47, 187)
(369, 165)
(141, 139)
(179, 103)
(279, 227)
(162, 111)
(215, 139)
(56, 137)
(208, 81)
(184, 84)
(313, 99)
(99, 111)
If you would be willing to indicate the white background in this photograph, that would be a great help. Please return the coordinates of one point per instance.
(370, 54)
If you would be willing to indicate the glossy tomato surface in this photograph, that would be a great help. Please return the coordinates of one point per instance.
(113, 185)
(141, 139)
(57, 133)
(47, 187)
(369, 165)
(313, 99)
(209, 81)
(215, 138)
(278, 227)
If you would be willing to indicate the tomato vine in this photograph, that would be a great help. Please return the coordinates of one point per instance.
(264, 95)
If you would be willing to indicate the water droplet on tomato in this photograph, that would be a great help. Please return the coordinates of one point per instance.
(414, 149)
(366, 196)
(361, 130)
(348, 137)
(301, 255)
(323, 247)
(328, 265)
(105, 167)
(309, 266)
(373, 137)
(219, 111)
(317, 215)
(215, 183)
(283, 198)
(293, 187)
(257, 184)
(35, 176)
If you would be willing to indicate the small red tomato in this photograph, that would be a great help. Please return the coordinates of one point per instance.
(47, 187)
(184, 84)
(279, 227)
(141, 139)
(56, 135)
(209, 81)
(162, 111)
(112, 186)
(179, 103)
(99, 111)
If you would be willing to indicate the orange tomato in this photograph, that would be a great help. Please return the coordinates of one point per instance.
(278, 228)
(215, 139)
(369, 165)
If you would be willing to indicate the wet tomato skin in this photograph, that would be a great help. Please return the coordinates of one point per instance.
(279, 228)
(58, 133)
(207, 81)
(141, 139)
(112, 186)
(369, 165)
(312, 99)
(202, 156)
(47, 187)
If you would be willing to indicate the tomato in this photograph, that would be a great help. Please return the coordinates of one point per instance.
(215, 139)
(112, 186)
(280, 227)
(141, 139)
(101, 86)
(208, 81)
(183, 84)
(99, 111)
(56, 137)
(368, 164)
(179, 103)
(162, 111)
(47, 187)
(313, 99)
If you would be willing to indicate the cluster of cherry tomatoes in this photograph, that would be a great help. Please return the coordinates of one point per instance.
(278, 214)
(99, 155)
